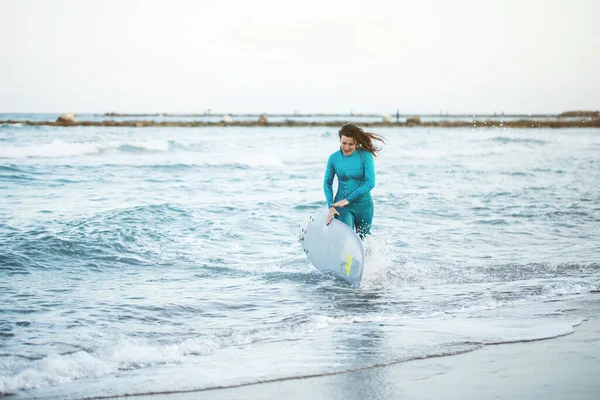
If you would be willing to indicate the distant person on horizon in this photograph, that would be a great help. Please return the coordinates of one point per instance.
(354, 166)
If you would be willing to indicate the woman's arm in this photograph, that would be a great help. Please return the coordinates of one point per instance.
(328, 182)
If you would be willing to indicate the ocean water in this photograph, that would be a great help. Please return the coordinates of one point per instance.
(145, 260)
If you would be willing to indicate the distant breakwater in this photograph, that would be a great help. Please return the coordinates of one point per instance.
(410, 123)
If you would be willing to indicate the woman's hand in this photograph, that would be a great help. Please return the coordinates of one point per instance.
(332, 213)
(341, 203)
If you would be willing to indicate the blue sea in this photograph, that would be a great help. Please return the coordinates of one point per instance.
(152, 260)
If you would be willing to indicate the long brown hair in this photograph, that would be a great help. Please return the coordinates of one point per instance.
(363, 139)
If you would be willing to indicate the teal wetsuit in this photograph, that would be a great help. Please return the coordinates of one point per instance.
(356, 178)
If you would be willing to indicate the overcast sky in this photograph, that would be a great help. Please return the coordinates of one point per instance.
(460, 56)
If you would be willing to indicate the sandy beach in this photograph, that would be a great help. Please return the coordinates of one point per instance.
(567, 367)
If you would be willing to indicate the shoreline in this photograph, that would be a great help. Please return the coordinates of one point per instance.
(525, 124)
(565, 367)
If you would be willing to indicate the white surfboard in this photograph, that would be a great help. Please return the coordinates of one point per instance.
(334, 248)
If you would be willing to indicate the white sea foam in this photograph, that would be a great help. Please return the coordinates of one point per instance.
(151, 145)
(59, 148)
(330, 321)
(245, 160)
(263, 160)
(54, 149)
(424, 154)
(130, 354)
(379, 262)
(382, 268)
(565, 289)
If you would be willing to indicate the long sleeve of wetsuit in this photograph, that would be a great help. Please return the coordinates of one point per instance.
(369, 182)
(328, 182)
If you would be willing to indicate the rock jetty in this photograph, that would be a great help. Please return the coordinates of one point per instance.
(571, 119)
(66, 119)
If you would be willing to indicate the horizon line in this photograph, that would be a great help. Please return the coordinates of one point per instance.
(309, 114)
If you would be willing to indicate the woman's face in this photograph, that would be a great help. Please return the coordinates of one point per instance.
(348, 145)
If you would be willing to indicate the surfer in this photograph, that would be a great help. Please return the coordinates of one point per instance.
(355, 168)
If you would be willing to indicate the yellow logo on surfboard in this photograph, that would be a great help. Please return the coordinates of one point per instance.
(348, 265)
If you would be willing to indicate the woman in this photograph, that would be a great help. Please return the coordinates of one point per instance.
(353, 164)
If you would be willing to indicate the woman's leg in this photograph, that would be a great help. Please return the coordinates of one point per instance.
(346, 216)
(364, 218)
